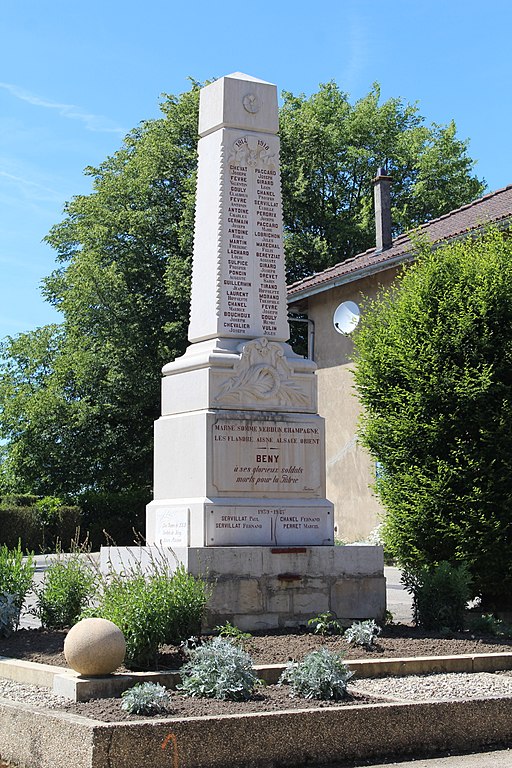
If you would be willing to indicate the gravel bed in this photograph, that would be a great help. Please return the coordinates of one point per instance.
(35, 695)
(444, 687)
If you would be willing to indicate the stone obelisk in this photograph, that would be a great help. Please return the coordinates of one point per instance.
(239, 448)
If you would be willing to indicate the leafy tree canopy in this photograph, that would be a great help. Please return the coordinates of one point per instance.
(330, 152)
(434, 373)
(77, 400)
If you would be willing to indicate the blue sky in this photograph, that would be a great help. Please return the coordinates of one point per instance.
(75, 77)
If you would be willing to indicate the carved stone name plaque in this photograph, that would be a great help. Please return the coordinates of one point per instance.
(267, 526)
(267, 458)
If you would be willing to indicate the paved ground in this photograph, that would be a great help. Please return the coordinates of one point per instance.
(398, 600)
(498, 759)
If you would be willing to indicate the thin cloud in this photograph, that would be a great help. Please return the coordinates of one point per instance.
(357, 50)
(39, 191)
(96, 123)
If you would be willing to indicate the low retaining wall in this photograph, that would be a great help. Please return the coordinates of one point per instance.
(35, 739)
(269, 587)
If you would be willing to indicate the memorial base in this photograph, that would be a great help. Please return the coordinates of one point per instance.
(262, 588)
(226, 522)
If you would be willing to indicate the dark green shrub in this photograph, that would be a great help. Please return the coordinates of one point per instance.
(69, 586)
(113, 516)
(19, 500)
(487, 624)
(434, 361)
(152, 609)
(28, 525)
(439, 594)
(16, 574)
(20, 524)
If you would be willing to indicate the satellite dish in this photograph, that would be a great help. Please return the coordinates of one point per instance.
(346, 317)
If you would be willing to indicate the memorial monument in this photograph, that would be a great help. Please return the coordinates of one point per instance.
(239, 448)
(239, 482)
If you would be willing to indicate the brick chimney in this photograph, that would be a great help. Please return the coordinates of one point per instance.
(382, 199)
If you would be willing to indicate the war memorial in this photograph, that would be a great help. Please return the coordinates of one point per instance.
(239, 450)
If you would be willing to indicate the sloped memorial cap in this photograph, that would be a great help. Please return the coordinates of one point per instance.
(239, 101)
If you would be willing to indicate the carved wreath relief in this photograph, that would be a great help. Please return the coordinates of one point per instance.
(262, 374)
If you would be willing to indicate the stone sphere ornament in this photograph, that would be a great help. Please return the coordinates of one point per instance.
(94, 647)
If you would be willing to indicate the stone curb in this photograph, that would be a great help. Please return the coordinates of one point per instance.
(51, 739)
(65, 682)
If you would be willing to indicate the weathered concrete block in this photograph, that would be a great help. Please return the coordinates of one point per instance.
(254, 580)
(279, 600)
(363, 598)
(309, 604)
(247, 623)
(312, 599)
(236, 596)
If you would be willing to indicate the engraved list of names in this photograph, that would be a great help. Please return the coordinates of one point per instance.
(253, 281)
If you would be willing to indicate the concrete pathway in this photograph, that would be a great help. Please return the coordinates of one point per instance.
(399, 602)
(498, 759)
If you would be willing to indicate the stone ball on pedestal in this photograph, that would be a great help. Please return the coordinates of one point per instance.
(94, 647)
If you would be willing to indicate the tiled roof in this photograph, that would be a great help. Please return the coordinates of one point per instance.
(492, 208)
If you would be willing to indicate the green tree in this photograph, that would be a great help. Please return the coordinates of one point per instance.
(434, 374)
(330, 152)
(78, 400)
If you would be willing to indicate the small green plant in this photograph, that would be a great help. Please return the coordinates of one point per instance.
(439, 595)
(389, 619)
(16, 574)
(69, 586)
(8, 614)
(219, 670)
(151, 608)
(487, 624)
(321, 674)
(48, 512)
(325, 624)
(231, 632)
(146, 699)
(362, 633)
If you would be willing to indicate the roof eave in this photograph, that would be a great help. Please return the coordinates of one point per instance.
(401, 258)
(350, 277)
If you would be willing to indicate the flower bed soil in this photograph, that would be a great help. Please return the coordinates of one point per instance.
(271, 698)
(278, 647)
(396, 641)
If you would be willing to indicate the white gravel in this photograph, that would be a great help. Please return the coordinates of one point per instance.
(31, 694)
(445, 687)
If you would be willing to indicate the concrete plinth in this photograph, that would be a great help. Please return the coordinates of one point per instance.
(259, 588)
